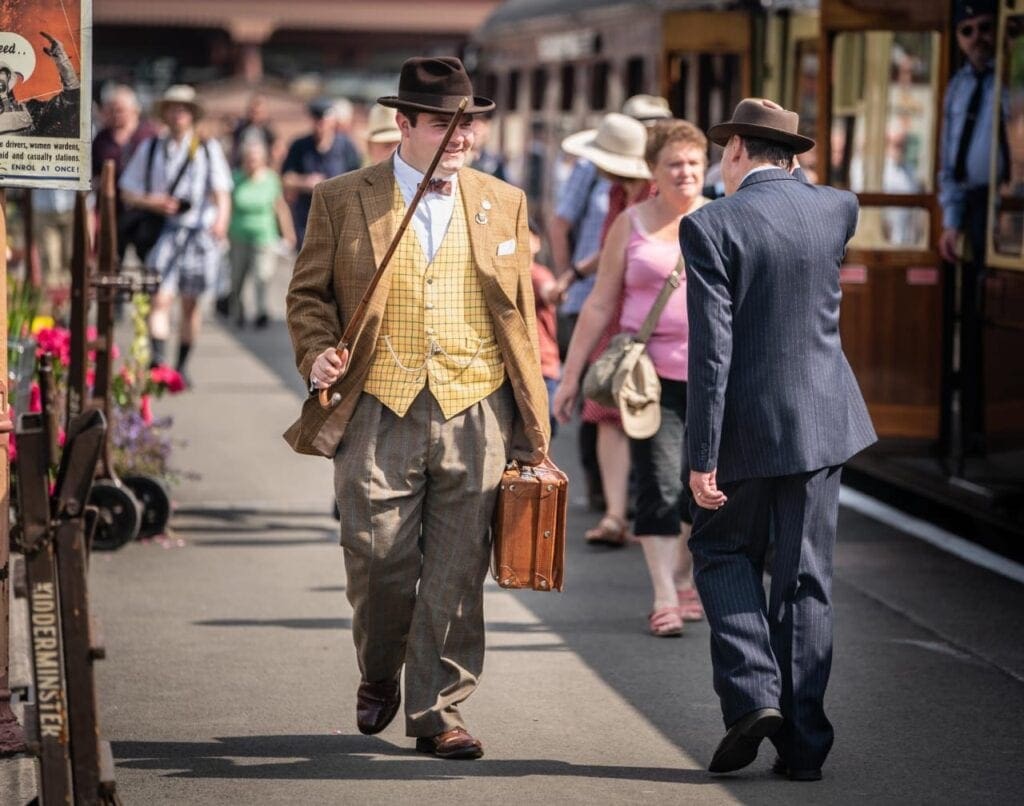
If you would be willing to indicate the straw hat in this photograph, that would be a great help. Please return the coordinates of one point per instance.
(616, 146)
(646, 108)
(180, 94)
(381, 126)
(764, 119)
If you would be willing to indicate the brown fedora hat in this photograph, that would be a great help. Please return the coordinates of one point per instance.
(435, 85)
(759, 117)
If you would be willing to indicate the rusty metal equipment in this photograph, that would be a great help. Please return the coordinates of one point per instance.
(122, 515)
(74, 765)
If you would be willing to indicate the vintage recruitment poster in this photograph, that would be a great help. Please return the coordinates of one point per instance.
(45, 103)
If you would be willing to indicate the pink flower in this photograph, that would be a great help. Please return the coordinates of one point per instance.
(54, 341)
(12, 447)
(35, 398)
(146, 410)
(167, 378)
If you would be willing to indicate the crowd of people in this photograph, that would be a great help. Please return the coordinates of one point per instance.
(208, 215)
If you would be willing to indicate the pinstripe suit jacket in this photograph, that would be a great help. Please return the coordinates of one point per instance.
(770, 392)
(351, 223)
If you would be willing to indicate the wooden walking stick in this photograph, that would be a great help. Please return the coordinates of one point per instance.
(328, 400)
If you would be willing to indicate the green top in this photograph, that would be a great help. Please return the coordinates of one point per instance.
(252, 208)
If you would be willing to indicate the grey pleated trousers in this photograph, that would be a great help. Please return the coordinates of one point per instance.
(775, 653)
(416, 496)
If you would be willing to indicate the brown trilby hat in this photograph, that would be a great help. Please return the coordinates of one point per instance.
(429, 84)
(759, 117)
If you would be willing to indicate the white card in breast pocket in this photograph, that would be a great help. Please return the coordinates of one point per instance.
(507, 247)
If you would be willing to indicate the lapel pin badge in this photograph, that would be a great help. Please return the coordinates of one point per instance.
(485, 204)
(481, 218)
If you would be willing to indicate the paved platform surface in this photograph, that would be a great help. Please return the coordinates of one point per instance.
(231, 677)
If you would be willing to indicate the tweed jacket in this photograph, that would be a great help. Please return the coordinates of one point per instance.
(351, 224)
(770, 392)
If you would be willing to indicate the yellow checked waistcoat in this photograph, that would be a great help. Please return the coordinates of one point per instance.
(437, 330)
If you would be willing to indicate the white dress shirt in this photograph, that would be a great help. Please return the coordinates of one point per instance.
(434, 213)
(753, 171)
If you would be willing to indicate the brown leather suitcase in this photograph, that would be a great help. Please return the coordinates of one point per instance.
(529, 527)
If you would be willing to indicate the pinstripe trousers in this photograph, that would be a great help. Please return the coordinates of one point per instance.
(774, 653)
(416, 496)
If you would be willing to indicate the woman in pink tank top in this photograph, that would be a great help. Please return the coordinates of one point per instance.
(641, 251)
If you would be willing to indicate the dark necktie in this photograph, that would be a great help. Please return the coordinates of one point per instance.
(442, 186)
(973, 105)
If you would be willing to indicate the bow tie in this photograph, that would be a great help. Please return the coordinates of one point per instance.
(442, 186)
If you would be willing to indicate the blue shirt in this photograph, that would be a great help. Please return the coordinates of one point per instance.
(952, 194)
(584, 204)
(304, 158)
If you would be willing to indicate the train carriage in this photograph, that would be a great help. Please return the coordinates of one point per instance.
(868, 79)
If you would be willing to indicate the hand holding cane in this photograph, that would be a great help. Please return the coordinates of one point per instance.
(328, 400)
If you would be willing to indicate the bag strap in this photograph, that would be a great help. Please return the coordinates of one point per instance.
(193, 147)
(149, 163)
(651, 321)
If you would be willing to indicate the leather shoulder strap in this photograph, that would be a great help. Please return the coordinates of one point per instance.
(651, 320)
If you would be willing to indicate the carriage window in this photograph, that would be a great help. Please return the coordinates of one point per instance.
(1008, 222)
(635, 79)
(892, 228)
(568, 87)
(599, 86)
(512, 102)
(489, 85)
(538, 84)
(883, 112)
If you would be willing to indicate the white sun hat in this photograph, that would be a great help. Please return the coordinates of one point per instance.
(616, 146)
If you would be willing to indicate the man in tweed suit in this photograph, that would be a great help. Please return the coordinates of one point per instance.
(773, 411)
(440, 389)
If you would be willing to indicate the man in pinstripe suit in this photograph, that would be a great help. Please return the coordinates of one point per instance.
(773, 413)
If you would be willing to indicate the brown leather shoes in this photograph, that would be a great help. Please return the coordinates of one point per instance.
(376, 705)
(454, 743)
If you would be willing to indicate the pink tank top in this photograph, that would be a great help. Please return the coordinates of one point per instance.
(649, 261)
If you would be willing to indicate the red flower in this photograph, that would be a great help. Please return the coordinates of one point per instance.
(54, 341)
(35, 398)
(146, 410)
(12, 447)
(167, 378)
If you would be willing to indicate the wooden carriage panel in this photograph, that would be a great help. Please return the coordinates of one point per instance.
(1004, 356)
(863, 15)
(896, 357)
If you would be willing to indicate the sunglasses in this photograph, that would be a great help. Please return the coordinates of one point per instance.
(967, 30)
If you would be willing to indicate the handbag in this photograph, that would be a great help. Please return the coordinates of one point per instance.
(625, 362)
(529, 527)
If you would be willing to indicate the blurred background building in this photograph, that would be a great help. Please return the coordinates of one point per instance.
(294, 51)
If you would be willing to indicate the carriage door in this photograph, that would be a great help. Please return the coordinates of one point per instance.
(1004, 284)
(706, 64)
(880, 110)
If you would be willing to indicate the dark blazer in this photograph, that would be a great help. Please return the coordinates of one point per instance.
(770, 392)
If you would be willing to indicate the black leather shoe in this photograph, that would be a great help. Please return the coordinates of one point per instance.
(739, 747)
(454, 743)
(376, 705)
(781, 768)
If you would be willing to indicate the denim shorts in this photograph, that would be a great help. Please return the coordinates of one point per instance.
(662, 501)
